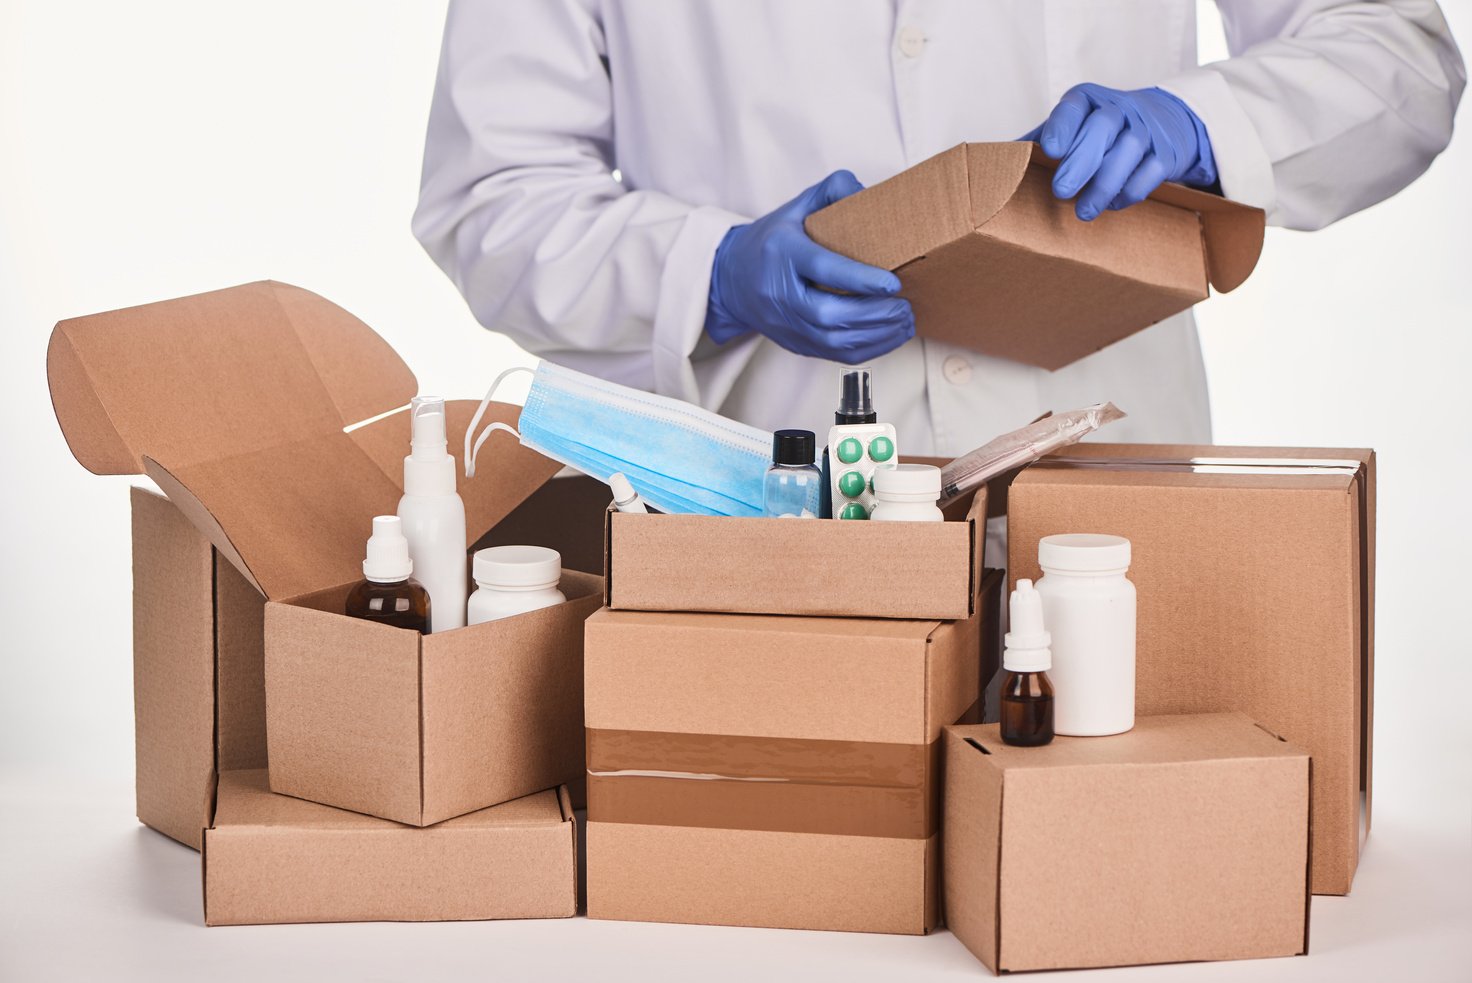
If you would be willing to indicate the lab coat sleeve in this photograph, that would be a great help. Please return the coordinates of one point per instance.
(519, 206)
(1326, 107)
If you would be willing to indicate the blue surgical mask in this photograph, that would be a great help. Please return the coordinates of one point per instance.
(679, 458)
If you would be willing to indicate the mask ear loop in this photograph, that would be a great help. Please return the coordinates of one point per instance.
(480, 412)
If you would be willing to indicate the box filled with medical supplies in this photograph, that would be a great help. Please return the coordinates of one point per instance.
(1254, 569)
(244, 405)
(270, 859)
(991, 260)
(1183, 839)
(772, 771)
(755, 565)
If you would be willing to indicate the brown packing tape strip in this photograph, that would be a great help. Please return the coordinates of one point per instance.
(773, 784)
(1209, 465)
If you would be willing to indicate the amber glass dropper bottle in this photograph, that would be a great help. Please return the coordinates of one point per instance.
(387, 595)
(1027, 694)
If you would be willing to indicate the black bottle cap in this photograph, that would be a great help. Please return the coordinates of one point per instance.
(793, 447)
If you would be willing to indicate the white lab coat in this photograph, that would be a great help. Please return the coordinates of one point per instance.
(715, 113)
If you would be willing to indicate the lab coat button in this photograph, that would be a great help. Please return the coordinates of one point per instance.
(912, 42)
(956, 369)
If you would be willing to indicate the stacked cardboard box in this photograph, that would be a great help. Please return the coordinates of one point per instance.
(243, 406)
(762, 749)
(1255, 571)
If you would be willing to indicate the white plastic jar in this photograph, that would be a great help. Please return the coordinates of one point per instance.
(907, 493)
(513, 580)
(1089, 608)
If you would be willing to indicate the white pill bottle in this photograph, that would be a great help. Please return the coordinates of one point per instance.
(513, 580)
(1089, 608)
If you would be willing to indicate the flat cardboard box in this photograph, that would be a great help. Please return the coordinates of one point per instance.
(199, 696)
(1254, 569)
(270, 859)
(927, 570)
(266, 414)
(1184, 839)
(771, 771)
(991, 260)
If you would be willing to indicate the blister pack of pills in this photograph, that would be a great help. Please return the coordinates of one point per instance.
(855, 452)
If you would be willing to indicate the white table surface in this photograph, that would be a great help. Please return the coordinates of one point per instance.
(90, 895)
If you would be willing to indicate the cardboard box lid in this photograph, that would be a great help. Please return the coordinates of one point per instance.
(236, 402)
(1155, 740)
(987, 207)
(246, 800)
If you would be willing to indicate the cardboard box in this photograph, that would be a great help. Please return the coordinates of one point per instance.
(199, 699)
(271, 858)
(1183, 839)
(1255, 575)
(771, 771)
(926, 570)
(199, 690)
(260, 411)
(991, 260)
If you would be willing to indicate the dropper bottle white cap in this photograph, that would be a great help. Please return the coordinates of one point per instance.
(1028, 643)
(388, 560)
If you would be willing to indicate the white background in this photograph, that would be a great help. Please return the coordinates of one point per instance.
(160, 149)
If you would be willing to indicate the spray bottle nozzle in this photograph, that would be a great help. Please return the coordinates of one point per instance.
(427, 414)
(855, 403)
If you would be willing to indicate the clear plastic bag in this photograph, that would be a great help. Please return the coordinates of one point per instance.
(1013, 450)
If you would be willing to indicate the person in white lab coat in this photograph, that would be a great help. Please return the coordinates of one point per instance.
(589, 163)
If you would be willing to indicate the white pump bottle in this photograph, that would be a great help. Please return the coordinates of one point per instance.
(434, 516)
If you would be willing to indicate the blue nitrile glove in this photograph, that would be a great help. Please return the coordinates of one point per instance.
(1117, 147)
(766, 277)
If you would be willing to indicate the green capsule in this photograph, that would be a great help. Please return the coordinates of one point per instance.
(850, 450)
(853, 510)
(881, 448)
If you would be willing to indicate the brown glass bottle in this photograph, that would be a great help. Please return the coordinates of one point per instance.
(1027, 709)
(401, 604)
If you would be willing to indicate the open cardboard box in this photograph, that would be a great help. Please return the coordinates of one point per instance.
(1183, 839)
(991, 260)
(742, 565)
(1255, 574)
(270, 859)
(244, 406)
(773, 771)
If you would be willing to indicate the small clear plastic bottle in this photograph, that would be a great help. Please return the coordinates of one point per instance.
(793, 483)
(513, 580)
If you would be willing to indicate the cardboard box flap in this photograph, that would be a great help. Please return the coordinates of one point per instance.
(1155, 740)
(905, 217)
(901, 219)
(293, 518)
(1231, 232)
(216, 375)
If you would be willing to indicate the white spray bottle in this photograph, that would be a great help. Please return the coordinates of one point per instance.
(434, 516)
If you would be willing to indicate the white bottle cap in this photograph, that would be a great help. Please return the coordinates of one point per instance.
(517, 567)
(908, 483)
(388, 552)
(623, 492)
(1084, 552)
(1028, 643)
